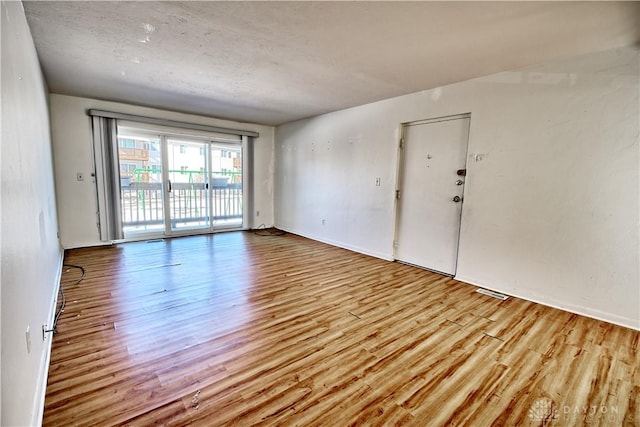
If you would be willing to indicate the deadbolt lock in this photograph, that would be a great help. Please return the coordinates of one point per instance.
(459, 182)
(457, 199)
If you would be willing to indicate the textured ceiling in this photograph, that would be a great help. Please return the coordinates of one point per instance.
(274, 62)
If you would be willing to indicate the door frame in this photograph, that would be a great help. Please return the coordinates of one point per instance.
(400, 165)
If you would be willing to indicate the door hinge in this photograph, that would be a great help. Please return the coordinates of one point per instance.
(397, 194)
(401, 142)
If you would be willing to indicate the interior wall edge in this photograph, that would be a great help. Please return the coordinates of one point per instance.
(553, 303)
(78, 245)
(43, 373)
(338, 244)
(31, 248)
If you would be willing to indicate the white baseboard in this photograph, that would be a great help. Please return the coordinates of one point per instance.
(582, 311)
(375, 254)
(78, 245)
(43, 374)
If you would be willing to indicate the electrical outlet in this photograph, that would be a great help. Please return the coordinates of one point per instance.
(27, 335)
(257, 213)
(324, 221)
(378, 182)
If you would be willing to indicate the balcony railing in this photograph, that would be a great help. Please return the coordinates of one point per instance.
(191, 204)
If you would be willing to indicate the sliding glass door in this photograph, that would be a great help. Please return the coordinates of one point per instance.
(226, 184)
(174, 185)
(187, 186)
(141, 176)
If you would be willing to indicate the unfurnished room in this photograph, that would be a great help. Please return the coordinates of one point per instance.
(320, 213)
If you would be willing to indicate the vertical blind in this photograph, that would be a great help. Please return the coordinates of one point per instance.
(105, 150)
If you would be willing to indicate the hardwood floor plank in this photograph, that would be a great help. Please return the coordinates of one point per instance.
(238, 329)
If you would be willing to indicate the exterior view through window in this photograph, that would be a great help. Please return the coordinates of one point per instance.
(176, 185)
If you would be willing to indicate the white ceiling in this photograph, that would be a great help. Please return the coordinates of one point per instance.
(274, 62)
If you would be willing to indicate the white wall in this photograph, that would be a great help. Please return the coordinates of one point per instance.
(31, 254)
(71, 133)
(551, 212)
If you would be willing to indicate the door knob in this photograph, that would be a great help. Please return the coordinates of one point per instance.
(457, 199)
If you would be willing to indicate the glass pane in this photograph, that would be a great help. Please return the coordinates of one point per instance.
(188, 198)
(226, 185)
(140, 184)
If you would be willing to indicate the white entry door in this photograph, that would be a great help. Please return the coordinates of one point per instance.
(432, 175)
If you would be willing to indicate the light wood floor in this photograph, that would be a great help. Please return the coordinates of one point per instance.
(239, 329)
